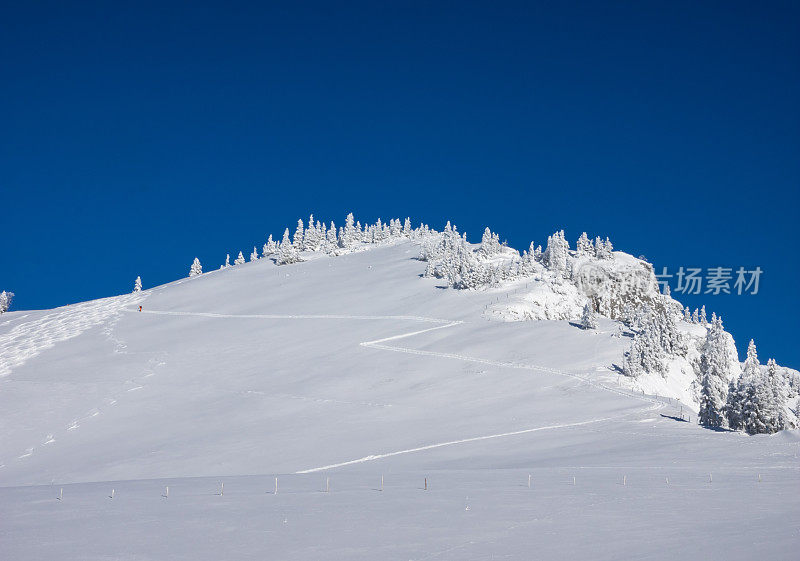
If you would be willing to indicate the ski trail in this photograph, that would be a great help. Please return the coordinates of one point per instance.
(450, 443)
(443, 324)
(292, 316)
(377, 344)
(30, 338)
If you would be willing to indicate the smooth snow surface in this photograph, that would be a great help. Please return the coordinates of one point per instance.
(342, 370)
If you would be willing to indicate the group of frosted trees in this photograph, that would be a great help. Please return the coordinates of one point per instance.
(326, 238)
(754, 402)
(452, 258)
(656, 338)
(5, 301)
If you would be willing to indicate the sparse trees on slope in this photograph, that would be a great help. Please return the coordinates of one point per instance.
(137, 284)
(196, 268)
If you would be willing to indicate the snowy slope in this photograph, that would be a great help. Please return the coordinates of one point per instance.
(347, 368)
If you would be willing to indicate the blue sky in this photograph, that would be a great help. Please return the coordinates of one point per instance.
(137, 137)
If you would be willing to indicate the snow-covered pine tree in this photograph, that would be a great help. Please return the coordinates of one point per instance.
(490, 244)
(270, 247)
(715, 372)
(585, 246)
(287, 252)
(603, 249)
(5, 301)
(227, 260)
(776, 418)
(311, 241)
(239, 260)
(738, 394)
(254, 254)
(299, 234)
(555, 256)
(645, 354)
(687, 315)
(332, 240)
(696, 316)
(703, 318)
(196, 268)
(588, 318)
(656, 337)
(407, 227)
(137, 284)
(349, 235)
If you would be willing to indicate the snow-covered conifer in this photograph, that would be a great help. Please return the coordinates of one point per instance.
(703, 319)
(349, 235)
(585, 246)
(299, 234)
(555, 256)
(715, 373)
(270, 247)
(311, 241)
(490, 243)
(227, 260)
(738, 398)
(331, 242)
(645, 354)
(603, 249)
(588, 318)
(196, 268)
(137, 284)
(287, 252)
(5, 301)
(254, 254)
(239, 260)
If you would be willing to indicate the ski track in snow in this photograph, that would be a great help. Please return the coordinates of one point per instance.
(653, 403)
(29, 339)
(450, 443)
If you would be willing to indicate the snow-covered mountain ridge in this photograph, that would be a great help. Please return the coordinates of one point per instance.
(354, 369)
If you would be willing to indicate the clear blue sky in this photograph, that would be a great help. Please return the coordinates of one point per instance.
(135, 137)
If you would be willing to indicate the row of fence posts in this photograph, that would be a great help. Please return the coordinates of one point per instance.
(221, 493)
